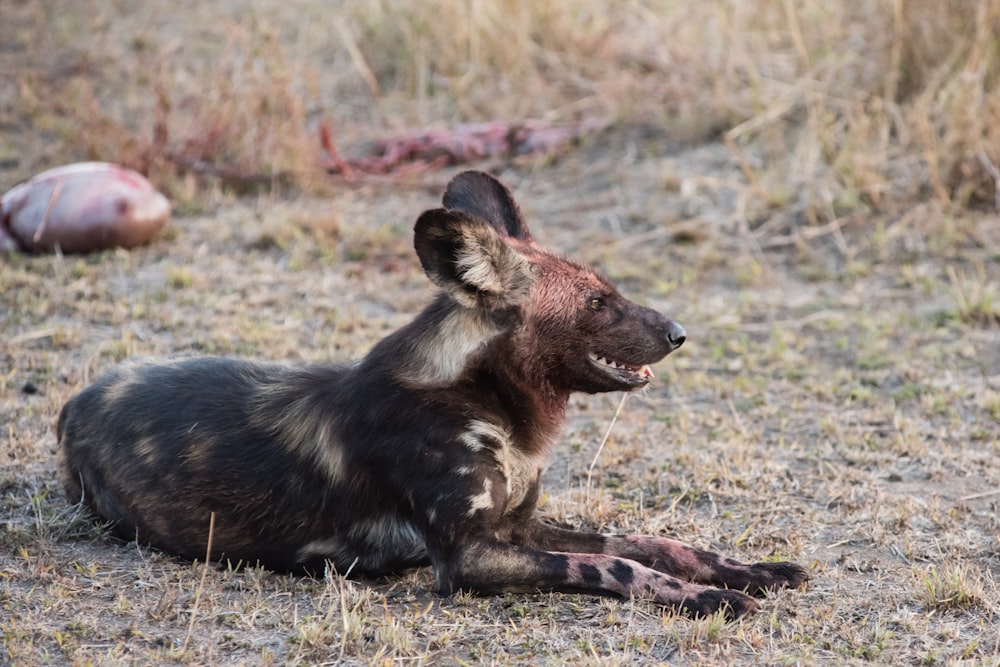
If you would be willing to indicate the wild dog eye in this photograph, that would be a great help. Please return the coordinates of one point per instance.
(596, 303)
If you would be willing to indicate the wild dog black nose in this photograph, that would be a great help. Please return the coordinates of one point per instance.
(675, 335)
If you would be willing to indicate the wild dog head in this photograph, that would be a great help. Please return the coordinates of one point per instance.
(566, 327)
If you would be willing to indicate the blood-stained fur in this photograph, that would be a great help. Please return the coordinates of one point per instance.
(427, 451)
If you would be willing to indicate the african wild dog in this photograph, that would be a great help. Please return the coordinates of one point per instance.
(429, 450)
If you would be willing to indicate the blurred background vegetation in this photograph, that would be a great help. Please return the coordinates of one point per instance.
(835, 108)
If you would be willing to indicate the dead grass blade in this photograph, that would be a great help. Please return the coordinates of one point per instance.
(604, 440)
(201, 585)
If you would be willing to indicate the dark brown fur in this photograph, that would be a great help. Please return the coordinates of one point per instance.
(427, 451)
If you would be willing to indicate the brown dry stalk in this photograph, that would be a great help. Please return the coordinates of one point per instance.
(984, 494)
(358, 59)
(600, 448)
(201, 584)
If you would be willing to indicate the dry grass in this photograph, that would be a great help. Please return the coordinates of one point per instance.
(854, 106)
(820, 238)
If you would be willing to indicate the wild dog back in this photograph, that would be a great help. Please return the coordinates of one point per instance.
(427, 450)
(156, 447)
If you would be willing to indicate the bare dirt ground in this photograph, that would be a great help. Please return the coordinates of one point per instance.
(837, 404)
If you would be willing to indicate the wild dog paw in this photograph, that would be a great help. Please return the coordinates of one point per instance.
(764, 577)
(710, 601)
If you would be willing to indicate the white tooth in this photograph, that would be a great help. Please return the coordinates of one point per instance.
(647, 371)
(592, 356)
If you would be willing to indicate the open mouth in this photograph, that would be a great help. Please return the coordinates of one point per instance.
(626, 371)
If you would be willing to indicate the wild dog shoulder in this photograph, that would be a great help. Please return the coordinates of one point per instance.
(475, 481)
(517, 470)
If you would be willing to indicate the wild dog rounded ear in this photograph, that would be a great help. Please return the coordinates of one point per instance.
(483, 196)
(468, 258)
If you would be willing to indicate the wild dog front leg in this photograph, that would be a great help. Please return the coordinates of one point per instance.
(684, 560)
(670, 556)
(491, 567)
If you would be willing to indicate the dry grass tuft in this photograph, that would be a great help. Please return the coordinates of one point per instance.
(952, 586)
(976, 297)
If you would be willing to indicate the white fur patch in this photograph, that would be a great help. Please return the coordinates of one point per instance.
(382, 540)
(386, 534)
(129, 374)
(482, 434)
(146, 450)
(302, 428)
(518, 469)
(124, 378)
(521, 472)
(477, 268)
(325, 548)
(482, 501)
(312, 436)
(442, 355)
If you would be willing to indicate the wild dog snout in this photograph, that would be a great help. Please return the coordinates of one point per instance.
(671, 335)
(675, 335)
